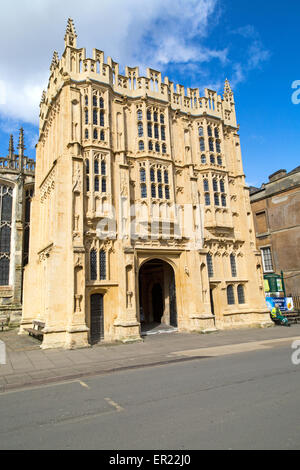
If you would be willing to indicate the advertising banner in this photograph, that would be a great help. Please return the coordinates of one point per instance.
(285, 303)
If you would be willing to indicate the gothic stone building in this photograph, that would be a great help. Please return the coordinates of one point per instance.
(109, 142)
(16, 190)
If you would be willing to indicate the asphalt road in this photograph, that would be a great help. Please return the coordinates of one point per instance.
(248, 400)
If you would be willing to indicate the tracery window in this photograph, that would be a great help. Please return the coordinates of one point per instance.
(140, 129)
(207, 199)
(241, 294)
(102, 118)
(93, 265)
(5, 232)
(230, 295)
(210, 267)
(102, 265)
(233, 265)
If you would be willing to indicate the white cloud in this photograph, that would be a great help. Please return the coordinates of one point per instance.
(153, 33)
(149, 33)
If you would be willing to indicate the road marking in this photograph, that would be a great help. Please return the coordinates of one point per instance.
(233, 348)
(114, 404)
(83, 384)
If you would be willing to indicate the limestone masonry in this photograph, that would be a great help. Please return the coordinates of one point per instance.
(140, 214)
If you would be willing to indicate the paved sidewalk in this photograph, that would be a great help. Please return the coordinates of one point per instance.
(28, 365)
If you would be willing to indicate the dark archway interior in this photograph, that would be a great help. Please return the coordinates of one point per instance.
(157, 294)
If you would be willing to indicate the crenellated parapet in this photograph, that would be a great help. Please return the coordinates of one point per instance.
(75, 66)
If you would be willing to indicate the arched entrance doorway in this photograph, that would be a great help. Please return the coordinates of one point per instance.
(157, 295)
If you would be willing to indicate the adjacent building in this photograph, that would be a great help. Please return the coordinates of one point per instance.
(276, 212)
(140, 214)
(16, 191)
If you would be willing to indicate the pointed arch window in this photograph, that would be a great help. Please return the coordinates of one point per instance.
(223, 198)
(102, 265)
(87, 166)
(103, 185)
(200, 131)
(95, 100)
(95, 134)
(203, 159)
(148, 115)
(155, 117)
(102, 118)
(159, 176)
(86, 114)
(150, 145)
(230, 295)
(143, 191)
(87, 181)
(149, 127)
(209, 131)
(211, 145)
(93, 265)
(143, 174)
(162, 119)
(102, 135)
(160, 191)
(202, 144)
(140, 129)
(163, 133)
(140, 115)
(157, 147)
(156, 133)
(207, 199)
(86, 100)
(152, 174)
(219, 160)
(153, 190)
(5, 232)
(101, 103)
(215, 185)
(212, 159)
(96, 167)
(103, 168)
(167, 192)
(216, 133)
(141, 145)
(96, 183)
(166, 177)
(210, 267)
(218, 147)
(95, 117)
(233, 265)
(205, 185)
(222, 186)
(164, 148)
(241, 294)
(86, 133)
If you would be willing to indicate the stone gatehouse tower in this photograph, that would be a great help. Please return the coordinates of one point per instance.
(107, 142)
(16, 191)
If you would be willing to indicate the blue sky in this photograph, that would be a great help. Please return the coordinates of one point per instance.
(196, 43)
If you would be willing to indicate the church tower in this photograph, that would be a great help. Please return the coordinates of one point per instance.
(141, 217)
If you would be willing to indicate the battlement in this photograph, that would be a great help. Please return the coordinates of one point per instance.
(75, 66)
